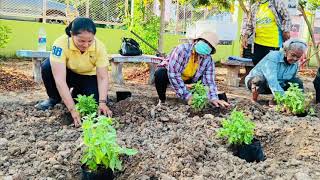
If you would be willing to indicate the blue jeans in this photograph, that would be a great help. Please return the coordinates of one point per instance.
(81, 84)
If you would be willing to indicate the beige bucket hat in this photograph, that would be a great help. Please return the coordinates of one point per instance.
(211, 38)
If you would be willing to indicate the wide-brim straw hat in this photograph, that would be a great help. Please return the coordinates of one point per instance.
(211, 38)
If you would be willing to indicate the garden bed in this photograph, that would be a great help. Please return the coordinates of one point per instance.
(173, 143)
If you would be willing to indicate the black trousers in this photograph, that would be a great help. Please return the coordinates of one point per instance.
(161, 82)
(316, 83)
(247, 52)
(81, 84)
(260, 52)
(263, 87)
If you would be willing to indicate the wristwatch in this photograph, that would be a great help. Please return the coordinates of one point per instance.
(102, 101)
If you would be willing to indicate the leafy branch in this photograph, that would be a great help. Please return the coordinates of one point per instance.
(102, 149)
(237, 128)
(199, 96)
(294, 100)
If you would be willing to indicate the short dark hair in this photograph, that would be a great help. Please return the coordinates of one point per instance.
(79, 25)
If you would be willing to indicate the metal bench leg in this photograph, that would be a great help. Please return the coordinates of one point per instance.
(233, 76)
(117, 72)
(152, 69)
(36, 69)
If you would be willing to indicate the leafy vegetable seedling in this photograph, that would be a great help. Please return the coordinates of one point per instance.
(86, 105)
(293, 100)
(199, 96)
(100, 139)
(237, 128)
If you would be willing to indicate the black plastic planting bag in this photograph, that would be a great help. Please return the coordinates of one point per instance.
(100, 174)
(130, 47)
(250, 152)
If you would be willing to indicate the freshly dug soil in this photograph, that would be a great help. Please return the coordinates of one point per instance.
(172, 143)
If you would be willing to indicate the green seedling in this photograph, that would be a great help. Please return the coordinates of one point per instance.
(199, 96)
(101, 149)
(86, 105)
(237, 128)
(293, 100)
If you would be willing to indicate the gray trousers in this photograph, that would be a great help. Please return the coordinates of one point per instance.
(263, 87)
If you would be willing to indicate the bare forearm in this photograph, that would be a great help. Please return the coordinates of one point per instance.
(103, 86)
(65, 94)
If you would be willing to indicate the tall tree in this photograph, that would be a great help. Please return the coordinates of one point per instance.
(311, 6)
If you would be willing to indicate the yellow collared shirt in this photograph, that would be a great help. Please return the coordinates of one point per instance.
(191, 68)
(65, 51)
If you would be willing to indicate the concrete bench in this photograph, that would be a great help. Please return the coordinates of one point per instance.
(117, 61)
(233, 70)
(37, 57)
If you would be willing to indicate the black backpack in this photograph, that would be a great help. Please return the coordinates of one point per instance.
(130, 47)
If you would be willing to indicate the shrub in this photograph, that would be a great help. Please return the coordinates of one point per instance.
(86, 105)
(199, 96)
(100, 139)
(293, 100)
(5, 32)
(237, 128)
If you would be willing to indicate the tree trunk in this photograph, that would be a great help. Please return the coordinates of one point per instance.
(315, 49)
(243, 7)
(162, 25)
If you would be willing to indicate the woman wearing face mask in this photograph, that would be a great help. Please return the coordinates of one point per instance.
(274, 72)
(189, 63)
(78, 60)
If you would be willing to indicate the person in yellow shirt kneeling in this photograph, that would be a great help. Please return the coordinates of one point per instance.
(78, 60)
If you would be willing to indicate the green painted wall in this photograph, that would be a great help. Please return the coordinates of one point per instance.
(24, 36)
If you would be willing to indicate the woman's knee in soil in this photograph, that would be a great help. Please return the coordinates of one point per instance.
(160, 74)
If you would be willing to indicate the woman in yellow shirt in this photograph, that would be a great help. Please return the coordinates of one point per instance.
(78, 60)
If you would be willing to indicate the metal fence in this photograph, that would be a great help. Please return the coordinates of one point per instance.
(60, 11)
(101, 11)
(186, 15)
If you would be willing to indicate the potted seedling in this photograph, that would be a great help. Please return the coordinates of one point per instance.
(86, 105)
(101, 154)
(199, 96)
(240, 133)
(294, 101)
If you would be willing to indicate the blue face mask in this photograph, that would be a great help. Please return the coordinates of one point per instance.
(202, 48)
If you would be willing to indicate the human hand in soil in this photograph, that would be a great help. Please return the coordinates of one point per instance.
(255, 94)
(104, 109)
(220, 103)
(272, 103)
(189, 100)
(76, 118)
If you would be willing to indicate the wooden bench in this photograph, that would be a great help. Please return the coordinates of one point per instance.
(233, 70)
(117, 61)
(37, 57)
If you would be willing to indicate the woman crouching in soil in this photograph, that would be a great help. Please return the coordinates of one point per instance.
(276, 70)
(78, 60)
(186, 64)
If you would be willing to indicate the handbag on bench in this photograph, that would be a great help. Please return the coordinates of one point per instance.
(130, 47)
